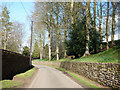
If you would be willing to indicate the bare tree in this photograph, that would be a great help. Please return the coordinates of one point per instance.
(100, 29)
(57, 33)
(114, 5)
(94, 15)
(15, 37)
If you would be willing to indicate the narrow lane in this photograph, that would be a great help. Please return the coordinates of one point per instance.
(48, 77)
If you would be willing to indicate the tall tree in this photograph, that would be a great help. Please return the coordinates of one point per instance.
(107, 45)
(100, 29)
(50, 38)
(15, 37)
(65, 25)
(1, 32)
(94, 25)
(50, 50)
(41, 48)
(76, 42)
(57, 30)
(39, 26)
(6, 24)
(87, 28)
(114, 5)
(48, 21)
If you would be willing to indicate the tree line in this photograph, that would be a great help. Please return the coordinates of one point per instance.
(62, 29)
(74, 28)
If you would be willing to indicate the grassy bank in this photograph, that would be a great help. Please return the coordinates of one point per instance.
(19, 79)
(108, 56)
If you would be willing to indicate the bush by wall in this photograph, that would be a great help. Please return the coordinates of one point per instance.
(13, 63)
(107, 74)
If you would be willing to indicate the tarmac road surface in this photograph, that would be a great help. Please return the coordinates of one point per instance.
(48, 77)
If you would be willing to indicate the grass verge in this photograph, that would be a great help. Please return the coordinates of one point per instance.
(80, 80)
(10, 83)
(27, 74)
(19, 80)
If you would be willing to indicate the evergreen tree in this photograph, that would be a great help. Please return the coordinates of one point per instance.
(76, 44)
(77, 37)
(46, 51)
(26, 51)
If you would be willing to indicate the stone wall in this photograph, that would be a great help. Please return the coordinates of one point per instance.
(107, 74)
(13, 63)
(57, 63)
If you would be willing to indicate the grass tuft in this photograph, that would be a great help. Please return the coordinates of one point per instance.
(10, 83)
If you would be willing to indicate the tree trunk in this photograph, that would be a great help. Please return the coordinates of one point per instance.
(72, 19)
(107, 45)
(113, 27)
(43, 45)
(65, 35)
(87, 28)
(49, 47)
(57, 51)
(41, 54)
(57, 40)
(5, 39)
(65, 52)
(50, 39)
(57, 45)
(94, 26)
(41, 51)
(100, 29)
(113, 24)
